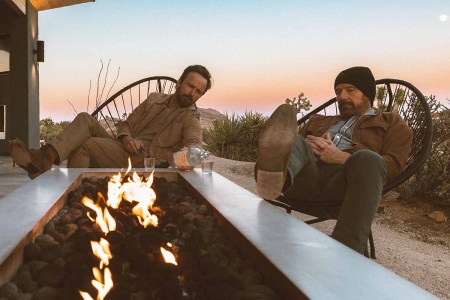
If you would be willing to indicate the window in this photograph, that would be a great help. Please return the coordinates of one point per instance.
(4, 53)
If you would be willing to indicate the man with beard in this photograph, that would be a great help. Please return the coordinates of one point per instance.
(344, 158)
(158, 127)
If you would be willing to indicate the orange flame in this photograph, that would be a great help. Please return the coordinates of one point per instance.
(101, 250)
(168, 256)
(144, 216)
(135, 190)
(103, 288)
(129, 166)
(85, 296)
(114, 191)
(138, 191)
(103, 219)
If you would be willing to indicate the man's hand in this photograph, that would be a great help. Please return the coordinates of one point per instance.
(325, 150)
(131, 145)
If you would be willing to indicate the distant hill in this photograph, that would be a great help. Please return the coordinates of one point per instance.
(208, 115)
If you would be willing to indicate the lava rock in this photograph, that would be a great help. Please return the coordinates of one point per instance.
(35, 267)
(10, 291)
(47, 293)
(25, 282)
(51, 252)
(51, 275)
(32, 252)
(45, 240)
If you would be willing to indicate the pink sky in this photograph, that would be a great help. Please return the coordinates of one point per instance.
(259, 53)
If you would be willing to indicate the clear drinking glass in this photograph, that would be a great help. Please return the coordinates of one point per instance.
(207, 167)
(149, 163)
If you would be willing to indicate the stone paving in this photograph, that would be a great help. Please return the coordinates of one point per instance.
(11, 177)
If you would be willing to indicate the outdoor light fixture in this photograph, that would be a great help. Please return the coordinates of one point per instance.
(39, 51)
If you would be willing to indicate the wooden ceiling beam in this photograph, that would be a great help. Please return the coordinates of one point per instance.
(51, 4)
(19, 6)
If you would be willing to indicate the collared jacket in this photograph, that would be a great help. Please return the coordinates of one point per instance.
(386, 134)
(182, 127)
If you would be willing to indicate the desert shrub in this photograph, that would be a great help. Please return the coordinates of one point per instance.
(50, 129)
(433, 178)
(301, 103)
(235, 137)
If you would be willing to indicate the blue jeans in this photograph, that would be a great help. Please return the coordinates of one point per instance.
(358, 185)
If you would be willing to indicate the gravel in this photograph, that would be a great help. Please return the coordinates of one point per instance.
(425, 264)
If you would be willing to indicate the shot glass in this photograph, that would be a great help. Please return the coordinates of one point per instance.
(149, 163)
(207, 167)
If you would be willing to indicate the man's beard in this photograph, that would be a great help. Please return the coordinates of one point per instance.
(184, 100)
(348, 109)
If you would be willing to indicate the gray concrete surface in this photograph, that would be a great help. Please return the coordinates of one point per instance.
(302, 260)
(11, 178)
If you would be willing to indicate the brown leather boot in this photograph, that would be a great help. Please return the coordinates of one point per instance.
(274, 148)
(35, 162)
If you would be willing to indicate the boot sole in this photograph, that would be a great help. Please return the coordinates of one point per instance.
(276, 139)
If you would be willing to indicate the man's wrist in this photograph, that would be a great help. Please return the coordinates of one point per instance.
(344, 157)
(124, 138)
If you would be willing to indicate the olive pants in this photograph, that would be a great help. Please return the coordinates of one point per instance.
(85, 143)
(358, 185)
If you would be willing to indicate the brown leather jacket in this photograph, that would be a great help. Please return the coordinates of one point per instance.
(386, 134)
(182, 127)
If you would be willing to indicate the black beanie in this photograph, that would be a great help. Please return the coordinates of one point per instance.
(360, 77)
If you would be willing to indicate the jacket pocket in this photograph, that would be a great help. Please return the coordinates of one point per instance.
(314, 129)
(371, 135)
(170, 136)
(377, 124)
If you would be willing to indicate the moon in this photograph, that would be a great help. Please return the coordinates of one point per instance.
(443, 18)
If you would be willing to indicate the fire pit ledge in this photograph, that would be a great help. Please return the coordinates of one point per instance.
(297, 260)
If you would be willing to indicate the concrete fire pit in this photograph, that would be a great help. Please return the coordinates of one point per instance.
(297, 260)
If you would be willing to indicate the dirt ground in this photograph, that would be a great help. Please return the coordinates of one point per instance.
(411, 216)
(408, 241)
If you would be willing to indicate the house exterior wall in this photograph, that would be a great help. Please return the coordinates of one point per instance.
(19, 90)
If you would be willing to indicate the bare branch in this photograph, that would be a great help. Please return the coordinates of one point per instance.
(73, 107)
(118, 70)
(106, 77)
(101, 90)
(98, 82)
(89, 94)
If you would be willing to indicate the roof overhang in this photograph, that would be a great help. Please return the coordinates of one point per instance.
(51, 4)
(19, 6)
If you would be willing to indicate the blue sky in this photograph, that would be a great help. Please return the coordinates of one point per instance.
(259, 52)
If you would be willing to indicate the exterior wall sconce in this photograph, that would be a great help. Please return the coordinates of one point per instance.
(39, 51)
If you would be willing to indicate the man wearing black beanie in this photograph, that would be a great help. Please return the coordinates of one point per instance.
(344, 158)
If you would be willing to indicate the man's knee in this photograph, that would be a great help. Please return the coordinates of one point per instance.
(301, 156)
(84, 116)
(366, 161)
(82, 149)
(80, 157)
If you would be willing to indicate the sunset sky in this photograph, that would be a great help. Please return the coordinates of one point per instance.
(259, 52)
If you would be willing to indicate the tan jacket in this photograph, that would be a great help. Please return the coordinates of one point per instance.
(386, 134)
(181, 129)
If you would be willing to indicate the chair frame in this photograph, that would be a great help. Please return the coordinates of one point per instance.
(422, 138)
(110, 107)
